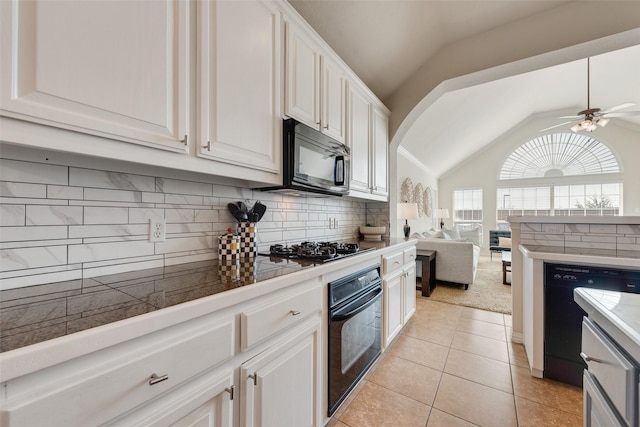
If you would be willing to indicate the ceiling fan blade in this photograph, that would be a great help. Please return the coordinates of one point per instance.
(555, 126)
(623, 114)
(571, 117)
(617, 107)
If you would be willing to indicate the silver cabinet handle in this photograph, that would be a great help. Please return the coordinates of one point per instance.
(230, 390)
(155, 378)
(254, 377)
(294, 312)
(590, 359)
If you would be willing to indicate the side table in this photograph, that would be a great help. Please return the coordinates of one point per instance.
(506, 267)
(428, 279)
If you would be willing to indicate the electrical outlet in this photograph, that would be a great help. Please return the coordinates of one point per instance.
(157, 229)
(332, 223)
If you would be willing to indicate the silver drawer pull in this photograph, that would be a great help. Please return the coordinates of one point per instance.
(294, 312)
(155, 378)
(590, 359)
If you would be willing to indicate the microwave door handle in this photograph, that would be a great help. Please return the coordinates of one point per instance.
(338, 171)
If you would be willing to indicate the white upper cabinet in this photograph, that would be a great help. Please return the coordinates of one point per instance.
(380, 152)
(113, 69)
(367, 137)
(358, 139)
(333, 101)
(239, 83)
(315, 85)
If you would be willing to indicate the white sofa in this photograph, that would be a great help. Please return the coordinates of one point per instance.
(456, 261)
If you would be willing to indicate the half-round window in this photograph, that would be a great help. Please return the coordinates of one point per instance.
(559, 154)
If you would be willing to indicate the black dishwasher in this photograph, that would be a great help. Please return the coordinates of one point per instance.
(563, 316)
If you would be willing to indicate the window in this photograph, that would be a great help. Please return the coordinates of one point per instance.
(523, 201)
(561, 200)
(553, 157)
(557, 155)
(588, 199)
(467, 206)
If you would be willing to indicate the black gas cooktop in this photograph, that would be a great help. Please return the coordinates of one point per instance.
(318, 252)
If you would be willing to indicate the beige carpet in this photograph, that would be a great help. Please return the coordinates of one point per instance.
(487, 292)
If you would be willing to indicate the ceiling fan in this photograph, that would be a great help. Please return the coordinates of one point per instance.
(591, 118)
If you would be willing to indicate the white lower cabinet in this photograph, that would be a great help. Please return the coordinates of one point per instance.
(393, 318)
(206, 401)
(280, 385)
(100, 387)
(399, 281)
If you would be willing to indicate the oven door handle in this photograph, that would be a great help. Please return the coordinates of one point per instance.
(370, 297)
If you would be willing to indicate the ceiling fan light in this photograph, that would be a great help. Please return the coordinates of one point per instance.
(576, 128)
(603, 122)
(586, 124)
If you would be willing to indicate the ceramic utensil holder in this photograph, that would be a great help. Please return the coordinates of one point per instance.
(228, 247)
(229, 269)
(248, 271)
(247, 232)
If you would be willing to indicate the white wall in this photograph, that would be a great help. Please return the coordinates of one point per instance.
(482, 170)
(409, 167)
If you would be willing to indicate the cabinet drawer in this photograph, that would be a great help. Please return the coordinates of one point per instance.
(613, 371)
(409, 255)
(120, 382)
(272, 317)
(597, 412)
(392, 262)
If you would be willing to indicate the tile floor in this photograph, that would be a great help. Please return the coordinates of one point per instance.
(455, 366)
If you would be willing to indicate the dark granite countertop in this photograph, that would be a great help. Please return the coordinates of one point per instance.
(38, 313)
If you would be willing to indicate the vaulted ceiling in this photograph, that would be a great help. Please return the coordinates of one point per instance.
(387, 41)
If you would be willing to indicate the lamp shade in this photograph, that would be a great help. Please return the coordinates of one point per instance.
(407, 210)
(442, 213)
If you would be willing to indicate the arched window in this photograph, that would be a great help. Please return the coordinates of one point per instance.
(559, 154)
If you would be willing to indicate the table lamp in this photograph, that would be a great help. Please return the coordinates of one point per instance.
(407, 211)
(441, 214)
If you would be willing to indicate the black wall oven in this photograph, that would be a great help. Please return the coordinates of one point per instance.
(355, 309)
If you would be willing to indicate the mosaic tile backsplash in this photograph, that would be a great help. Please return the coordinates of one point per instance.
(62, 222)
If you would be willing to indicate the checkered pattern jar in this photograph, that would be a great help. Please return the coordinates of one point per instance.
(247, 232)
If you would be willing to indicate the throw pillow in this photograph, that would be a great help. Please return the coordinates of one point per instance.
(435, 234)
(450, 234)
(472, 235)
(504, 242)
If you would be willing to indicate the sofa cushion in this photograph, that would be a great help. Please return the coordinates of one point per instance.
(451, 234)
(473, 235)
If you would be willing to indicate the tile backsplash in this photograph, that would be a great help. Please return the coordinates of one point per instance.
(60, 222)
(615, 239)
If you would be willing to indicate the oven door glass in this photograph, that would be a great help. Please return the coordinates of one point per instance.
(354, 344)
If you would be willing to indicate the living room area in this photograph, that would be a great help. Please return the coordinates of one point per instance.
(471, 178)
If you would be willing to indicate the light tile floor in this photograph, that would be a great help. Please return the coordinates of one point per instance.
(456, 366)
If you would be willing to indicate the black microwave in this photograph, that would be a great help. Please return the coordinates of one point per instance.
(313, 163)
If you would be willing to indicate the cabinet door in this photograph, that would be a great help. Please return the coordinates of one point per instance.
(392, 307)
(239, 83)
(358, 139)
(280, 385)
(205, 401)
(303, 77)
(114, 69)
(334, 85)
(409, 292)
(380, 147)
